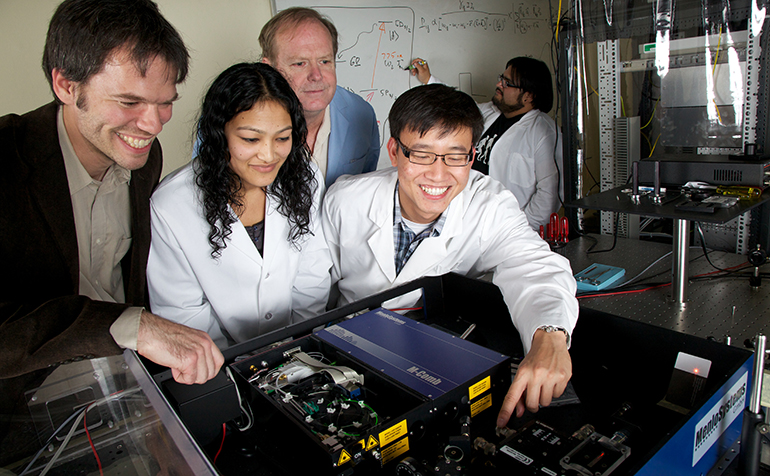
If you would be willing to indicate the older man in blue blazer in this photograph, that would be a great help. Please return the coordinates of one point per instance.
(342, 129)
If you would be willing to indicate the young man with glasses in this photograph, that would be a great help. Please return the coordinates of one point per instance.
(432, 214)
(520, 145)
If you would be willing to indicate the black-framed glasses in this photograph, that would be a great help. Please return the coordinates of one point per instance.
(427, 158)
(506, 83)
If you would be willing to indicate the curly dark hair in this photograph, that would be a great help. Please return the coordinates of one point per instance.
(239, 88)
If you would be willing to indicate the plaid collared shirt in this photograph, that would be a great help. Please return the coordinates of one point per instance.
(404, 239)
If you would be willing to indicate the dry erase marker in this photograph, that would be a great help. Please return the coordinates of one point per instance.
(411, 66)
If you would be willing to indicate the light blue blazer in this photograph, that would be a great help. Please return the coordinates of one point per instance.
(354, 142)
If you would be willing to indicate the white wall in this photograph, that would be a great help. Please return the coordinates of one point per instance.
(217, 33)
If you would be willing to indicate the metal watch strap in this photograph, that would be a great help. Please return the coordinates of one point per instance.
(550, 329)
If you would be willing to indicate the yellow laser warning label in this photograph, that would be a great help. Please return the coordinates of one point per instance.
(481, 404)
(344, 458)
(372, 443)
(395, 450)
(393, 433)
(362, 443)
(479, 388)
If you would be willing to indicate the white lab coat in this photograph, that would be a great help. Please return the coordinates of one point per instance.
(241, 293)
(523, 160)
(484, 231)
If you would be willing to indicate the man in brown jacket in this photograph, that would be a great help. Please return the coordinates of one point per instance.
(74, 200)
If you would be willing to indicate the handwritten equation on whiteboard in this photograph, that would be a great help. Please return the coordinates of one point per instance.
(521, 18)
(377, 43)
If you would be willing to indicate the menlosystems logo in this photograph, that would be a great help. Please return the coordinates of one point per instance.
(390, 317)
(713, 423)
(718, 418)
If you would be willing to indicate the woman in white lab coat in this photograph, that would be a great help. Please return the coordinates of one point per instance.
(237, 249)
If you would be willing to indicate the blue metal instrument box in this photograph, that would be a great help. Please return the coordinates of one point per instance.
(430, 361)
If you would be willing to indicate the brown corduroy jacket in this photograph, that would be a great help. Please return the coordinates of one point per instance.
(43, 320)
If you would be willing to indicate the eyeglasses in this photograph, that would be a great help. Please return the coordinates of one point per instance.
(427, 158)
(506, 83)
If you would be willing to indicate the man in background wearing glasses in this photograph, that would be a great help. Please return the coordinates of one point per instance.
(520, 146)
(431, 214)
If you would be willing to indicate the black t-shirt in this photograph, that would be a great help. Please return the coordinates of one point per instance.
(257, 234)
(488, 139)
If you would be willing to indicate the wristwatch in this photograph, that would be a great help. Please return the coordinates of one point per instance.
(550, 329)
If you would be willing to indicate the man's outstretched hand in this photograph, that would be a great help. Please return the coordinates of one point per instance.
(542, 376)
(190, 354)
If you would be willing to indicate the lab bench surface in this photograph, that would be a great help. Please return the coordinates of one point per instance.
(708, 310)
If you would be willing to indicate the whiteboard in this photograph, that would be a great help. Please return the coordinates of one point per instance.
(466, 44)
